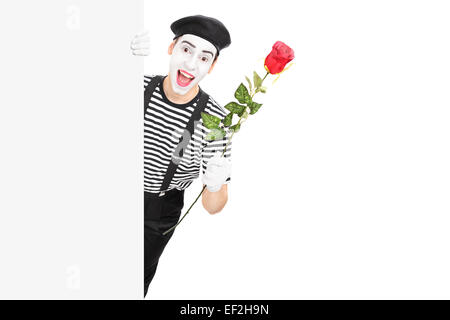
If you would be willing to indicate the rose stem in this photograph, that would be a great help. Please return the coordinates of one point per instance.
(166, 232)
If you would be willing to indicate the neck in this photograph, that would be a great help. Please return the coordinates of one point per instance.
(175, 97)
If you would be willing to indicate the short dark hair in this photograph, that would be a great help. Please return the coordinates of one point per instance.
(215, 56)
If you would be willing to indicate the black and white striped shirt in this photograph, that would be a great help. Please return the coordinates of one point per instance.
(164, 123)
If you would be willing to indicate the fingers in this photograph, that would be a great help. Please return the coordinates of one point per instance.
(217, 172)
(218, 169)
(141, 52)
(142, 33)
(141, 40)
(140, 45)
(140, 49)
(141, 37)
(219, 162)
(212, 181)
(216, 158)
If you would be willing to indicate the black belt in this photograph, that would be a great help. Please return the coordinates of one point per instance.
(161, 194)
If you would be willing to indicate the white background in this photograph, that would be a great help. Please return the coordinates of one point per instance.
(340, 185)
(340, 182)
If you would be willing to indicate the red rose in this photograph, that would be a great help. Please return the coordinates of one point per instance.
(277, 59)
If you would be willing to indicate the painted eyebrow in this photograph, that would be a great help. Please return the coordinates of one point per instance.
(205, 51)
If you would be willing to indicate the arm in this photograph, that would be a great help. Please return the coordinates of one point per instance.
(215, 195)
(214, 202)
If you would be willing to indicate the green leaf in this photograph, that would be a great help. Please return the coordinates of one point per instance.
(254, 107)
(210, 121)
(249, 83)
(257, 80)
(236, 127)
(230, 106)
(215, 134)
(263, 89)
(235, 108)
(228, 119)
(242, 94)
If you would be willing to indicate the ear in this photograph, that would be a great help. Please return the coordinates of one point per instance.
(212, 66)
(170, 50)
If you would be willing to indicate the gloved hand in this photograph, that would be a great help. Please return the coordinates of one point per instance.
(140, 45)
(218, 169)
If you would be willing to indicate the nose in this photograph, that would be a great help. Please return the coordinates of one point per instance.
(190, 63)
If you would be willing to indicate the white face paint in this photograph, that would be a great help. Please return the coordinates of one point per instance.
(190, 62)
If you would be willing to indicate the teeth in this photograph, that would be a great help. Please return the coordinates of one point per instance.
(186, 75)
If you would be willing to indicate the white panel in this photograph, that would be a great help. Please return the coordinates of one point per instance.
(71, 141)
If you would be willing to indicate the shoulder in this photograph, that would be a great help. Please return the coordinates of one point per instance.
(149, 78)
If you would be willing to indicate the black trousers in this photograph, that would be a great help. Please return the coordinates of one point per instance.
(160, 214)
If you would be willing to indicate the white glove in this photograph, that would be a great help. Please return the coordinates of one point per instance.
(140, 45)
(218, 169)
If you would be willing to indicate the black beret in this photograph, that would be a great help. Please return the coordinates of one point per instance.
(204, 27)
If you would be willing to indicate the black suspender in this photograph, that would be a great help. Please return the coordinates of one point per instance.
(196, 115)
(149, 90)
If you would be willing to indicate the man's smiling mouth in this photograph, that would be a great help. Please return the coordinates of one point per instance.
(184, 78)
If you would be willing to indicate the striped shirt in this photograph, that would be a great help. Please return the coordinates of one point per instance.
(164, 124)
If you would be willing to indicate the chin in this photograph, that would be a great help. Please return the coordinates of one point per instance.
(180, 91)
